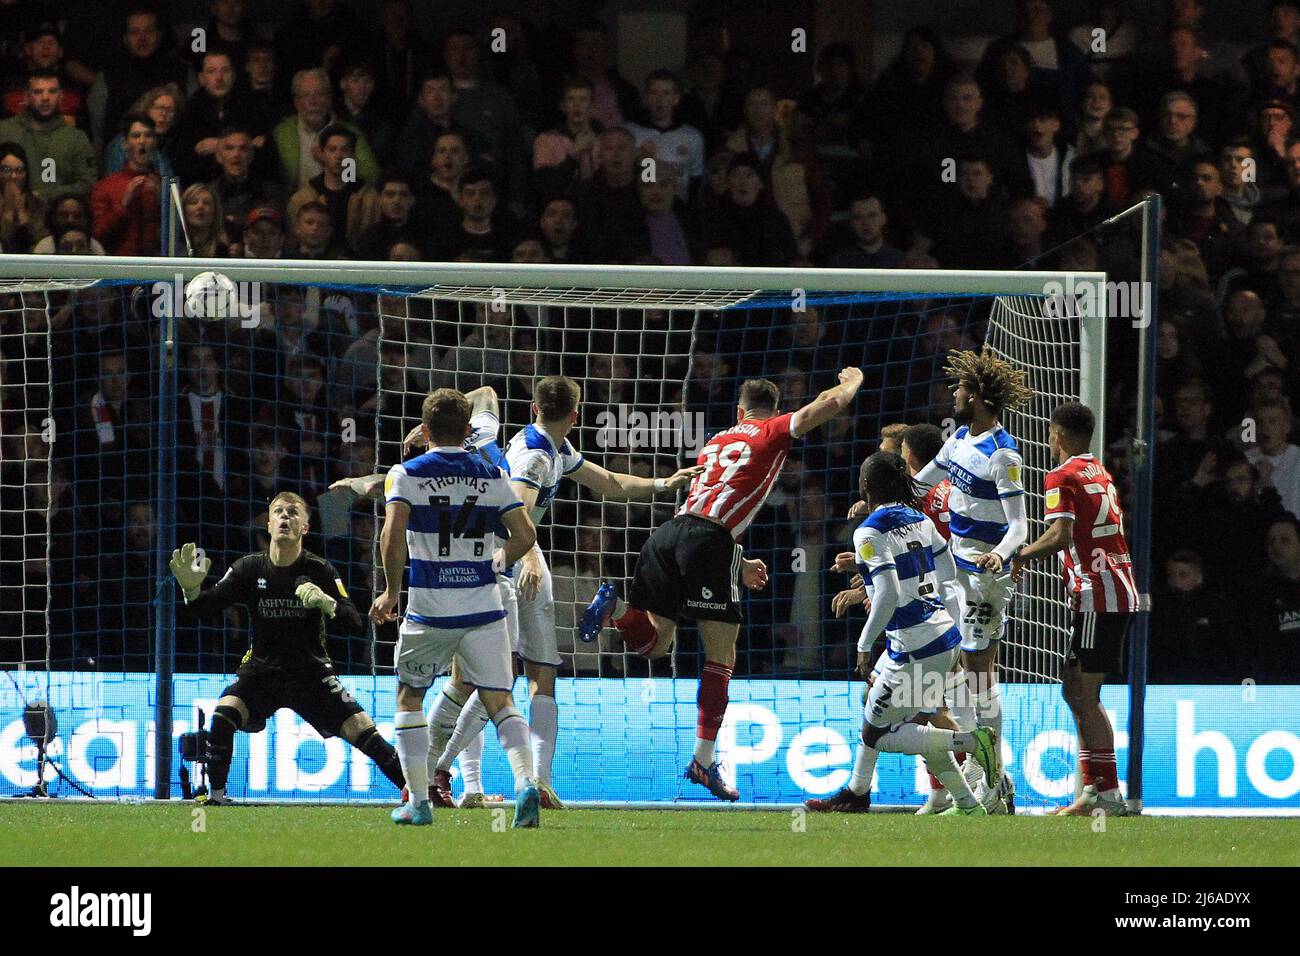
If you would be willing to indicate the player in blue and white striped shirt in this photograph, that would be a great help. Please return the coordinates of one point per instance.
(906, 566)
(466, 742)
(987, 522)
(448, 506)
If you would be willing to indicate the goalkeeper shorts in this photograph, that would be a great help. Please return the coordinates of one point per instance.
(317, 696)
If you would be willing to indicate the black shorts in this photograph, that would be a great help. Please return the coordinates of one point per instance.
(1098, 641)
(690, 567)
(315, 696)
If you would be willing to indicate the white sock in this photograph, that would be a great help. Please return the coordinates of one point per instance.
(469, 725)
(864, 768)
(544, 716)
(471, 765)
(442, 722)
(964, 717)
(988, 709)
(944, 766)
(512, 731)
(912, 739)
(960, 698)
(411, 740)
(704, 751)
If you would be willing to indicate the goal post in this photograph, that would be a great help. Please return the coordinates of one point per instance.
(645, 341)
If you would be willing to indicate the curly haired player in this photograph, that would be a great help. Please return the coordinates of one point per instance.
(987, 520)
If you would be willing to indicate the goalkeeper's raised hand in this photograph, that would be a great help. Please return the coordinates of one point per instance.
(313, 598)
(188, 572)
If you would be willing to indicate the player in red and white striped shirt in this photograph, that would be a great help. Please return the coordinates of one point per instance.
(692, 565)
(921, 443)
(1086, 525)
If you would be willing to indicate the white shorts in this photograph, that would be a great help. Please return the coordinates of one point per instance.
(536, 641)
(983, 599)
(482, 654)
(901, 691)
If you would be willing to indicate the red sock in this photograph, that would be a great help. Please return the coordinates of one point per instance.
(1085, 766)
(636, 630)
(1103, 772)
(712, 699)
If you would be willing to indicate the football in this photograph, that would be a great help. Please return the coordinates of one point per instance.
(210, 296)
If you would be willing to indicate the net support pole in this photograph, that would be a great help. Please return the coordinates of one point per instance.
(1143, 460)
(165, 496)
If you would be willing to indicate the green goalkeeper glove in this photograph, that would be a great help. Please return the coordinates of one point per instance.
(189, 574)
(314, 598)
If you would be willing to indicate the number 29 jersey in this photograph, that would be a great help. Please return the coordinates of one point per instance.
(457, 499)
(1098, 570)
(740, 466)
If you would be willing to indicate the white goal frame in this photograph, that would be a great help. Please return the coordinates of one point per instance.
(609, 286)
(677, 287)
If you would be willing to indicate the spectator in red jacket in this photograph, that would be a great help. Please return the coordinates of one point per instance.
(125, 204)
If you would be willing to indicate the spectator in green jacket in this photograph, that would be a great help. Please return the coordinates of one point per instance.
(296, 135)
(60, 157)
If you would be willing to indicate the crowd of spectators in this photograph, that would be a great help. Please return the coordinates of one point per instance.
(327, 136)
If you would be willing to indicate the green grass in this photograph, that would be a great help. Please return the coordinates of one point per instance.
(69, 834)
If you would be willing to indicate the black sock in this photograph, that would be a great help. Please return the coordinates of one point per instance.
(382, 753)
(221, 745)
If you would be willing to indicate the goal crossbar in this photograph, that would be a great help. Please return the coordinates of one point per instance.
(444, 279)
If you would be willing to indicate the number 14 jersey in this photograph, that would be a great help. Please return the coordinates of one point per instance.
(1098, 570)
(457, 499)
(740, 466)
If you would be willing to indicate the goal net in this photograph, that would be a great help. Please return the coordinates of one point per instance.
(118, 447)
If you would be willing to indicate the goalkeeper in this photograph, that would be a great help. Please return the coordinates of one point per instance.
(290, 594)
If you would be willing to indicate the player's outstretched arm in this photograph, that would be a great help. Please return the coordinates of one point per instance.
(189, 565)
(367, 486)
(1055, 538)
(616, 484)
(828, 404)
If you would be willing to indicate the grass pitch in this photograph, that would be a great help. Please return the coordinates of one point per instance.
(75, 834)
